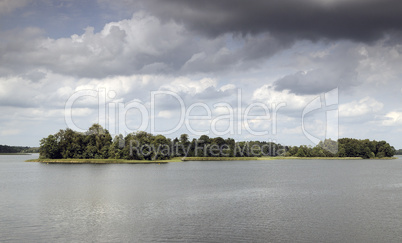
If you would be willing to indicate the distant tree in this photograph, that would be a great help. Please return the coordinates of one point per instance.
(292, 151)
(184, 139)
(161, 146)
(97, 143)
(302, 152)
(318, 151)
(205, 139)
(116, 148)
(385, 149)
(398, 152)
(341, 151)
(17, 149)
(49, 148)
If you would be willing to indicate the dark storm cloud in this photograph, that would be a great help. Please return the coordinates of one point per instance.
(361, 20)
(316, 81)
(336, 68)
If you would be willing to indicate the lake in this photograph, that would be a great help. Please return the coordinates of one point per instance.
(236, 201)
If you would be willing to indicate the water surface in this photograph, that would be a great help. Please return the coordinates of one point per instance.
(259, 201)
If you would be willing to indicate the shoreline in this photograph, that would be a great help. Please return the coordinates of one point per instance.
(15, 153)
(101, 161)
(186, 159)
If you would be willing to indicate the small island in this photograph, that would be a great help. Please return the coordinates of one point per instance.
(97, 146)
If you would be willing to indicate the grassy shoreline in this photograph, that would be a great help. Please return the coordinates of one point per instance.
(15, 154)
(178, 159)
(275, 158)
(102, 161)
(325, 158)
(224, 158)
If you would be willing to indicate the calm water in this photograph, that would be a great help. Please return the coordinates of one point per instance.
(259, 201)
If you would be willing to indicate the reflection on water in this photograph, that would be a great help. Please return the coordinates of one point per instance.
(259, 201)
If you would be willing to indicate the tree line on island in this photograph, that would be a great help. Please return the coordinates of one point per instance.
(6, 149)
(97, 143)
(345, 147)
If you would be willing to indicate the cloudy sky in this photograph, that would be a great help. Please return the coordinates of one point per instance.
(250, 70)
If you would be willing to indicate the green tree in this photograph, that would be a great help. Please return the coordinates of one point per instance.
(302, 152)
(49, 148)
(318, 151)
(161, 146)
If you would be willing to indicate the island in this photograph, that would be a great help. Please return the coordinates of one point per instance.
(96, 145)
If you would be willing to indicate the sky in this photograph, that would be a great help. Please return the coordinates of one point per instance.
(292, 72)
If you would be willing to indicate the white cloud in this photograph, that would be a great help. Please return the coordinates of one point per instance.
(393, 118)
(17, 91)
(122, 47)
(142, 44)
(165, 114)
(9, 132)
(192, 87)
(292, 131)
(227, 87)
(360, 108)
(268, 95)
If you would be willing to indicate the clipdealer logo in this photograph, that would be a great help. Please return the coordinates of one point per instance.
(238, 118)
